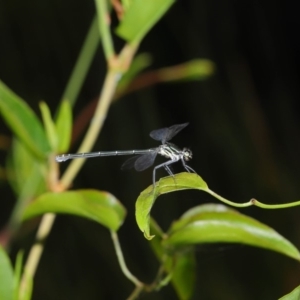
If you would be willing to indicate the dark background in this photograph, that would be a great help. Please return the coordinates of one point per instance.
(244, 133)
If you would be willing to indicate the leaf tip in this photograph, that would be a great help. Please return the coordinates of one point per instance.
(148, 236)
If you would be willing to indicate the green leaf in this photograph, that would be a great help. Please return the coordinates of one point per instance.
(180, 265)
(184, 273)
(156, 244)
(126, 4)
(17, 274)
(6, 277)
(216, 223)
(64, 126)
(101, 207)
(23, 122)
(140, 17)
(294, 295)
(139, 63)
(25, 173)
(49, 126)
(165, 185)
(197, 69)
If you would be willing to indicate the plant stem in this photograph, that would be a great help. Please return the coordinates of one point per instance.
(104, 102)
(84, 60)
(122, 263)
(36, 251)
(103, 23)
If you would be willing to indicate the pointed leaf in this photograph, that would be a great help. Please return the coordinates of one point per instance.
(49, 126)
(165, 185)
(64, 126)
(23, 122)
(17, 274)
(294, 295)
(197, 69)
(101, 207)
(214, 224)
(6, 277)
(140, 17)
(25, 173)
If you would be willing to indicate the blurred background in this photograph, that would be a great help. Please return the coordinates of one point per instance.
(244, 133)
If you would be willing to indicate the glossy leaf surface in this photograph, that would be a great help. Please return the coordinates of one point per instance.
(98, 206)
(165, 185)
(23, 122)
(212, 223)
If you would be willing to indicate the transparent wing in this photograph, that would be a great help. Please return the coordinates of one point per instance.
(139, 162)
(129, 163)
(145, 161)
(165, 134)
(159, 134)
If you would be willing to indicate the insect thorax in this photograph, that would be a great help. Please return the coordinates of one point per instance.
(170, 150)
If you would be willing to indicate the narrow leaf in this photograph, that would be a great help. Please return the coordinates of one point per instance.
(197, 69)
(49, 126)
(23, 122)
(101, 207)
(212, 224)
(17, 274)
(64, 126)
(140, 17)
(6, 277)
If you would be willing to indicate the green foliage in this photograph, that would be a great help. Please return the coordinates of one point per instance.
(165, 185)
(180, 265)
(25, 173)
(101, 207)
(22, 291)
(63, 125)
(139, 63)
(216, 223)
(23, 122)
(140, 17)
(196, 69)
(17, 274)
(59, 132)
(209, 223)
(6, 277)
(33, 172)
(49, 126)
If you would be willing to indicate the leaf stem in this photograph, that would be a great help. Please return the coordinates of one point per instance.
(252, 202)
(104, 29)
(122, 263)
